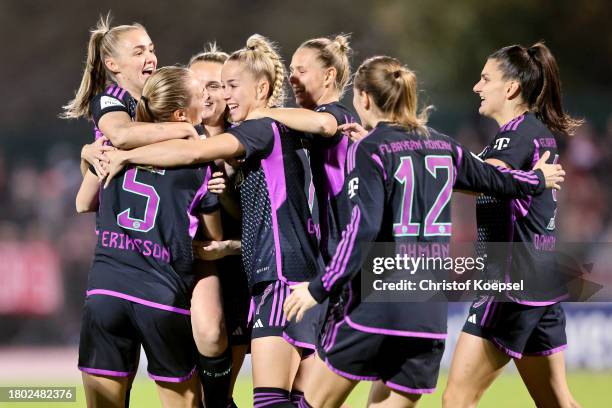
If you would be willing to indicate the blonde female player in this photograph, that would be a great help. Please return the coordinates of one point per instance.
(222, 306)
(140, 283)
(319, 73)
(278, 247)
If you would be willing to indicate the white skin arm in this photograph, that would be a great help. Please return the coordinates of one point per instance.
(125, 134)
(174, 153)
(304, 120)
(87, 196)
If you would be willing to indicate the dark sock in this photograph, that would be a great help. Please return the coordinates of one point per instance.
(231, 404)
(215, 376)
(270, 397)
(296, 397)
(304, 404)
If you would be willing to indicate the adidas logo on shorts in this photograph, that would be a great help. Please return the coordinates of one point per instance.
(258, 324)
(472, 318)
(237, 332)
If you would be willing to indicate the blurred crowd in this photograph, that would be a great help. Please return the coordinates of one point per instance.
(37, 206)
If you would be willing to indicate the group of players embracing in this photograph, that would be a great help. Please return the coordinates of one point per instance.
(228, 224)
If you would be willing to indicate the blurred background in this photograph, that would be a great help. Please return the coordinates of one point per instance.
(46, 249)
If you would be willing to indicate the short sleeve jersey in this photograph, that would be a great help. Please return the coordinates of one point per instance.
(328, 171)
(148, 218)
(279, 231)
(528, 225)
(399, 184)
(113, 99)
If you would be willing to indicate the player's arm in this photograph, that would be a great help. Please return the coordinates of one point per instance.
(364, 187)
(211, 225)
(88, 194)
(174, 153)
(303, 120)
(475, 175)
(125, 134)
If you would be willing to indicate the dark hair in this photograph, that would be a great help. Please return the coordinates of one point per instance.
(393, 87)
(538, 74)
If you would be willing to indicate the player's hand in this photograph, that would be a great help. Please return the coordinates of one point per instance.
(115, 161)
(217, 183)
(209, 250)
(553, 173)
(94, 154)
(257, 113)
(354, 131)
(299, 302)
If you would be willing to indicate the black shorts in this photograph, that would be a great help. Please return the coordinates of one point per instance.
(407, 364)
(113, 329)
(236, 300)
(518, 329)
(267, 317)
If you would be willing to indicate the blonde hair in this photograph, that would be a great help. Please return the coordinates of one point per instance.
(164, 92)
(393, 87)
(262, 59)
(102, 44)
(210, 54)
(334, 53)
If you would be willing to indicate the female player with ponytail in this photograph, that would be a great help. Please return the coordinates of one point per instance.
(520, 89)
(399, 183)
(140, 282)
(279, 246)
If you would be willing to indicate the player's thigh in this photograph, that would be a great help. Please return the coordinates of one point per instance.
(476, 363)
(274, 362)
(207, 315)
(180, 394)
(382, 396)
(324, 388)
(544, 377)
(103, 391)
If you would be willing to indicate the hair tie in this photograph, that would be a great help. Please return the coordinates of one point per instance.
(251, 47)
(531, 51)
(397, 74)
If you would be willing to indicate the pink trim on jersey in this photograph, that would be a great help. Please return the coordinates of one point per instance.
(350, 376)
(173, 379)
(409, 390)
(561, 298)
(135, 299)
(547, 352)
(111, 373)
(392, 332)
(297, 343)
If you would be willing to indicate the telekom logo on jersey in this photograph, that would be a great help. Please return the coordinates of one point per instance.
(502, 143)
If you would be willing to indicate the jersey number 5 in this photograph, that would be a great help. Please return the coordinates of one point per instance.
(125, 219)
(437, 166)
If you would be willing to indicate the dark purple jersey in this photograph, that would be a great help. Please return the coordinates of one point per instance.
(328, 171)
(148, 218)
(279, 231)
(114, 99)
(399, 184)
(527, 225)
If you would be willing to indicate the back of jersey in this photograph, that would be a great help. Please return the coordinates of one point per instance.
(147, 222)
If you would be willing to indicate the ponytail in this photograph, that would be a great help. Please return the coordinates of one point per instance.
(102, 44)
(393, 88)
(538, 74)
(262, 59)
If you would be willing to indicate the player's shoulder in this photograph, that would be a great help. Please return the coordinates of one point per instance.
(526, 125)
(338, 110)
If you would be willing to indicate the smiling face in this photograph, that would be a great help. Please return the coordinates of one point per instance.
(197, 97)
(493, 90)
(134, 60)
(209, 74)
(240, 90)
(307, 77)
